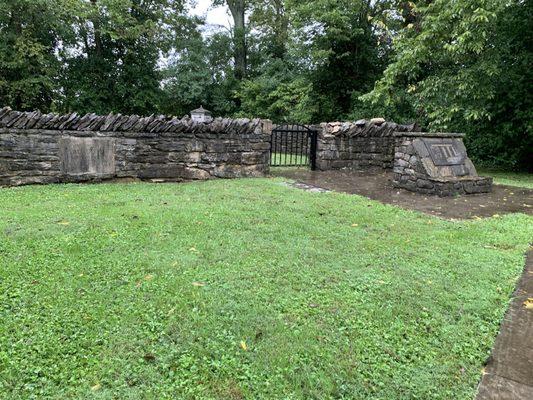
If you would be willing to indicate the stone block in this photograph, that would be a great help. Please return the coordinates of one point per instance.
(401, 163)
(424, 184)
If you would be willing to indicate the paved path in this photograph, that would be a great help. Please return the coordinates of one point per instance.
(509, 372)
(377, 185)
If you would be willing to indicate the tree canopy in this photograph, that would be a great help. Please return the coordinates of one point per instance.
(462, 65)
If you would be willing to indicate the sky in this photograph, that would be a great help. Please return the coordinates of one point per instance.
(218, 16)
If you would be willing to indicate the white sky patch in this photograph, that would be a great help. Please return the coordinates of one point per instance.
(215, 16)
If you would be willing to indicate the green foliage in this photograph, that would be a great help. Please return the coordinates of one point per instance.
(118, 68)
(344, 52)
(29, 35)
(130, 291)
(278, 94)
(200, 74)
(464, 66)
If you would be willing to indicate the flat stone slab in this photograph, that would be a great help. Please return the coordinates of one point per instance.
(430, 134)
(509, 372)
(446, 151)
(497, 388)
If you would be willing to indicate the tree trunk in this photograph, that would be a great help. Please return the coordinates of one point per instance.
(281, 29)
(97, 32)
(237, 8)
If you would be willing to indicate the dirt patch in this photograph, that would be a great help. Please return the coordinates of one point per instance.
(377, 185)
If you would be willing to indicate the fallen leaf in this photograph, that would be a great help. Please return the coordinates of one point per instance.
(243, 345)
(198, 284)
(193, 249)
(354, 225)
(64, 223)
(96, 387)
(528, 304)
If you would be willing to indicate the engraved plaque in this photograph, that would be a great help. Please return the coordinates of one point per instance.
(445, 152)
(94, 156)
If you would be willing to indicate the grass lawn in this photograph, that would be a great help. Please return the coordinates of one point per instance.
(282, 159)
(522, 179)
(245, 289)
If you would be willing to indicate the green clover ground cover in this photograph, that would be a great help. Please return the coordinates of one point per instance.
(520, 179)
(245, 289)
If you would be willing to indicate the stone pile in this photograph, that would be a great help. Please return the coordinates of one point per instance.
(122, 123)
(376, 127)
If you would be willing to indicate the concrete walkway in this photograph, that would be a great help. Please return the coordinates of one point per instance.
(377, 185)
(509, 372)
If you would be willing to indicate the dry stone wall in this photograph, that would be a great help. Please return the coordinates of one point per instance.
(360, 144)
(51, 148)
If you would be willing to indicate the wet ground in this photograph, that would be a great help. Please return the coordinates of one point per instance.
(509, 371)
(377, 185)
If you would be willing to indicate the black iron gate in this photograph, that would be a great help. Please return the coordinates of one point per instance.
(293, 145)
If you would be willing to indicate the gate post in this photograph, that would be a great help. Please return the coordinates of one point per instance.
(313, 150)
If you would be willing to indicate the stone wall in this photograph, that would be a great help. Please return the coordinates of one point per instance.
(50, 148)
(361, 144)
(436, 163)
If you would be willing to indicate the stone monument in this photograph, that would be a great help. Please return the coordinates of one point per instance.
(436, 163)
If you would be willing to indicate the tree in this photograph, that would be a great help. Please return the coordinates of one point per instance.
(454, 67)
(200, 74)
(238, 11)
(271, 21)
(341, 48)
(30, 33)
(120, 42)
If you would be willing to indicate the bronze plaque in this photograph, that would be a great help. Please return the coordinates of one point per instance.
(445, 152)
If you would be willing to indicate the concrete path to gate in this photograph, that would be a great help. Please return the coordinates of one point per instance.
(377, 185)
(509, 371)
